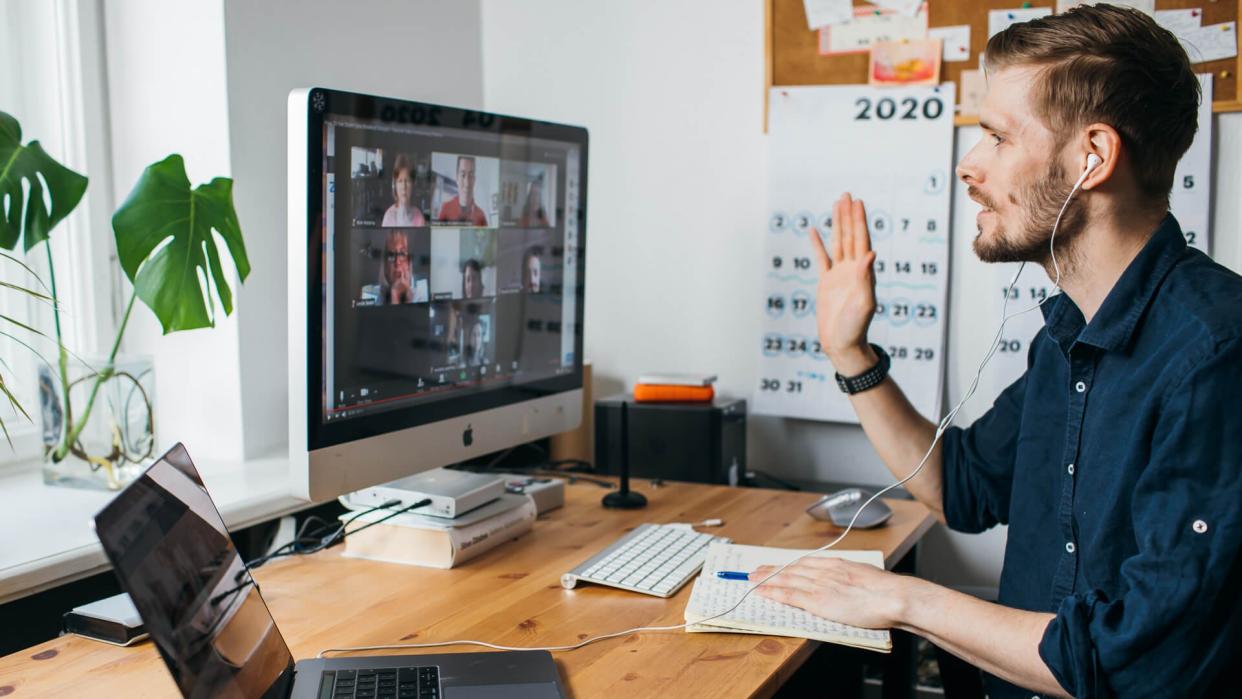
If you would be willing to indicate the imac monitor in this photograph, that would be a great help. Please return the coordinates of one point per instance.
(435, 285)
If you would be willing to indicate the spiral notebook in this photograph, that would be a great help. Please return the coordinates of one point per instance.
(756, 614)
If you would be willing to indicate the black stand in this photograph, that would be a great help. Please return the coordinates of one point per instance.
(625, 499)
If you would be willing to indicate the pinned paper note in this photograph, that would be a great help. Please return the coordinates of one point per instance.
(1180, 21)
(1000, 20)
(1211, 43)
(869, 26)
(1147, 6)
(822, 13)
(956, 41)
(974, 86)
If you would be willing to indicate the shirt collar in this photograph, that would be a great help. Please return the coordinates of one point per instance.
(1112, 328)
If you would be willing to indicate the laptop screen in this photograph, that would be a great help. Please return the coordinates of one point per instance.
(172, 554)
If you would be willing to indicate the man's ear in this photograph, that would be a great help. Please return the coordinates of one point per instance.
(1104, 142)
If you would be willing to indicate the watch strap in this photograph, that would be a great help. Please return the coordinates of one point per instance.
(868, 379)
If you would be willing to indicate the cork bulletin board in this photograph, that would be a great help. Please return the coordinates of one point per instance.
(793, 50)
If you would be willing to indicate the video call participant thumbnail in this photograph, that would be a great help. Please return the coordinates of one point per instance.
(531, 261)
(528, 194)
(404, 211)
(465, 188)
(368, 187)
(463, 263)
(478, 348)
(462, 335)
(402, 272)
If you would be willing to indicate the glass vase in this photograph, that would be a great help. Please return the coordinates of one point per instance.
(116, 441)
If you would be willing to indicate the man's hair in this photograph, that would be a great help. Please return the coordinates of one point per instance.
(1113, 65)
(468, 158)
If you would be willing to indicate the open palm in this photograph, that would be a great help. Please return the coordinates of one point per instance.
(845, 300)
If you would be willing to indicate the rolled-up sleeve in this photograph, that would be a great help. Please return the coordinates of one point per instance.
(978, 463)
(1175, 621)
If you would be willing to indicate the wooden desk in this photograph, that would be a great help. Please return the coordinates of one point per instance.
(512, 595)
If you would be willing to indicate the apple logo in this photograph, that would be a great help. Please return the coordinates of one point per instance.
(467, 437)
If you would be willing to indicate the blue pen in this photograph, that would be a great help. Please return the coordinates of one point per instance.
(732, 575)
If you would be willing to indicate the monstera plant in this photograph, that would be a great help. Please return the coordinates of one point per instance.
(167, 237)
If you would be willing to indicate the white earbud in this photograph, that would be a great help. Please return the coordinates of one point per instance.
(1093, 161)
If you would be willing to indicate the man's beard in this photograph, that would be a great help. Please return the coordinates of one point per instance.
(1041, 201)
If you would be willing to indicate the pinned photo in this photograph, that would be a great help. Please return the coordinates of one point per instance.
(914, 62)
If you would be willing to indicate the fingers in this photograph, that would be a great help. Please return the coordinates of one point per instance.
(786, 595)
(861, 237)
(821, 254)
(840, 227)
(819, 563)
(793, 576)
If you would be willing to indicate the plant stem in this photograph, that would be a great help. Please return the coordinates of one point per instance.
(73, 431)
(62, 358)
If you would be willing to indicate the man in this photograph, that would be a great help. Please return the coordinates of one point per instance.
(462, 208)
(471, 279)
(1116, 460)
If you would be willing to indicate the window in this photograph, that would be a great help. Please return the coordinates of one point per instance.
(52, 79)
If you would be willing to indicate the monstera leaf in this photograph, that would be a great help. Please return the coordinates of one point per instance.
(26, 216)
(164, 238)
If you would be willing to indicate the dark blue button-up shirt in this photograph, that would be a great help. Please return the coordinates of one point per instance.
(1116, 461)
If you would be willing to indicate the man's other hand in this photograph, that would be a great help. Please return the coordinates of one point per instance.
(842, 591)
(845, 301)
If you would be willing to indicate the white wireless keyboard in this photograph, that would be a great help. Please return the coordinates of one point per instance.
(654, 559)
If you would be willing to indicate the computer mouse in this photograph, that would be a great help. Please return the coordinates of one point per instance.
(839, 508)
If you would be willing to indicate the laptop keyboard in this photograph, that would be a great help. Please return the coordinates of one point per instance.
(381, 683)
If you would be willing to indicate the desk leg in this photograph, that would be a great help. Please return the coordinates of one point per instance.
(901, 666)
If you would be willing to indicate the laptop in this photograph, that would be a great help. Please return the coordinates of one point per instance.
(172, 554)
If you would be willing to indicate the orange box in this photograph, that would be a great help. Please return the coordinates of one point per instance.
(656, 393)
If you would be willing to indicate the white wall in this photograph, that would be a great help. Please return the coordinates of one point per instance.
(424, 49)
(166, 88)
(209, 79)
(672, 94)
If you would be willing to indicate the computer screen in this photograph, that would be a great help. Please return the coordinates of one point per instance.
(445, 266)
(172, 554)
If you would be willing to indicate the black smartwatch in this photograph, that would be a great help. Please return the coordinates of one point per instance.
(869, 378)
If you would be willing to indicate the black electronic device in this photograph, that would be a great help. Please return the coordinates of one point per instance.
(694, 442)
(625, 499)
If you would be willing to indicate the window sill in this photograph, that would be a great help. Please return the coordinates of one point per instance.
(47, 535)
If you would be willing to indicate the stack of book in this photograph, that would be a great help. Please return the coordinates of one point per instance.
(437, 542)
(674, 388)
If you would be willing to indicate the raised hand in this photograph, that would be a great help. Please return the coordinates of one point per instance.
(402, 290)
(845, 300)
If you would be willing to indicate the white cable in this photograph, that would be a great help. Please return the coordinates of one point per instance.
(940, 430)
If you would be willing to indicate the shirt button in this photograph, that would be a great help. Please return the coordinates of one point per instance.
(1080, 387)
(1199, 526)
(1069, 547)
(1070, 469)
